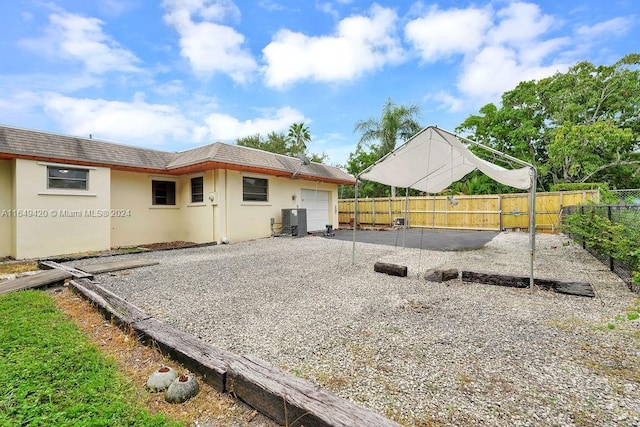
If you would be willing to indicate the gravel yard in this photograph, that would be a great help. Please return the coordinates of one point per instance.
(418, 352)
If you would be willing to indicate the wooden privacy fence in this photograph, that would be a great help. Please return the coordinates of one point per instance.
(484, 212)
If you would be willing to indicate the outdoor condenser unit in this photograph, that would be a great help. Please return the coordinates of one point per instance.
(294, 222)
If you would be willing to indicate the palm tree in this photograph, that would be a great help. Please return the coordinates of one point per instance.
(397, 124)
(298, 136)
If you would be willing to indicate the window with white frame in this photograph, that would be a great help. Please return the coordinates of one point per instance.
(255, 189)
(197, 190)
(163, 193)
(60, 177)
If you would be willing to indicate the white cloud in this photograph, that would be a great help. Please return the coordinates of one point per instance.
(270, 5)
(519, 24)
(223, 127)
(212, 10)
(495, 70)
(448, 102)
(128, 122)
(209, 46)
(360, 44)
(78, 38)
(172, 87)
(116, 7)
(500, 48)
(618, 26)
(444, 33)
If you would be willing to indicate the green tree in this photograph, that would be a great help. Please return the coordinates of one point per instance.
(398, 123)
(574, 126)
(274, 142)
(379, 137)
(286, 144)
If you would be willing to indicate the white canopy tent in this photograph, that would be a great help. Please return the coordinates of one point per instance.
(434, 158)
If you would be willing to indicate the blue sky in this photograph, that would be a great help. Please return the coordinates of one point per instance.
(176, 74)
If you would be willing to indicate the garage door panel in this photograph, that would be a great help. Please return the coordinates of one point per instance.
(317, 205)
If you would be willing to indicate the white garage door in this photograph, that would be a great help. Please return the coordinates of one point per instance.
(317, 205)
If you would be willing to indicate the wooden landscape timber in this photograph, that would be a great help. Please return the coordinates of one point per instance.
(75, 273)
(291, 401)
(38, 280)
(563, 287)
(391, 269)
(54, 273)
(112, 307)
(108, 267)
(277, 394)
(209, 361)
(438, 275)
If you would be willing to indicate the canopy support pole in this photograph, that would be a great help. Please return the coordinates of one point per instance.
(532, 223)
(355, 222)
(406, 217)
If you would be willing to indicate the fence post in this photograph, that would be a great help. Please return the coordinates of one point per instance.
(584, 239)
(500, 213)
(609, 216)
(373, 212)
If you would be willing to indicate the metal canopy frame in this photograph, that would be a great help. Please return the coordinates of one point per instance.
(533, 173)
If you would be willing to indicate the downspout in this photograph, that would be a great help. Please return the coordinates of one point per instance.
(226, 205)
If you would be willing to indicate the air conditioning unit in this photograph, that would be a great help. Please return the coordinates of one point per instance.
(294, 222)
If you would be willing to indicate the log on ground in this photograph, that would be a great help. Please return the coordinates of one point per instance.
(391, 269)
(38, 280)
(112, 306)
(77, 274)
(290, 400)
(560, 286)
(437, 275)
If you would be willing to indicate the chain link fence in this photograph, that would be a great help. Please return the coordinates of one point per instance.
(629, 196)
(624, 260)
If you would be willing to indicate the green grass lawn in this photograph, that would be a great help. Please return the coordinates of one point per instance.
(51, 375)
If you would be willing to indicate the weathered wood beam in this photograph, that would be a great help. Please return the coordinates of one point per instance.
(287, 399)
(560, 286)
(391, 269)
(112, 266)
(209, 361)
(292, 401)
(112, 306)
(38, 280)
(437, 275)
(77, 274)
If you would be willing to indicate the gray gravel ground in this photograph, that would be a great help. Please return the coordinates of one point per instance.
(418, 352)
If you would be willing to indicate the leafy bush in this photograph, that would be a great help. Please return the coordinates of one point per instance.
(618, 240)
(577, 186)
(606, 195)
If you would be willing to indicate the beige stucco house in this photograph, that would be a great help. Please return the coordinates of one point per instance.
(63, 194)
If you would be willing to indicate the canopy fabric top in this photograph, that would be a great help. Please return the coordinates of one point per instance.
(433, 159)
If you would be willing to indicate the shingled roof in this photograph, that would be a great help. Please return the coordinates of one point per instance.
(32, 144)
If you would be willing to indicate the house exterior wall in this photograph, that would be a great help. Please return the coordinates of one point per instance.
(6, 208)
(143, 222)
(57, 221)
(65, 220)
(251, 220)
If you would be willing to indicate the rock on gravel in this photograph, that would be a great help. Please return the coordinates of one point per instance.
(418, 352)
